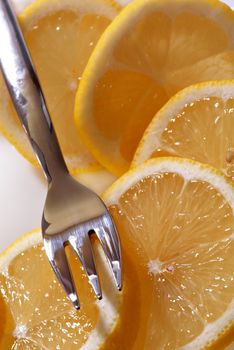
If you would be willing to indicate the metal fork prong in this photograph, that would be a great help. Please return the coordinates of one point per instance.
(108, 237)
(83, 249)
(68, 204)
(56, 253)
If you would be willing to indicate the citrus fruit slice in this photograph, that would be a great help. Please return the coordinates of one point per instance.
(196, 123)
(176, 217)
(61, 36)
(150, 51)
(38, 315)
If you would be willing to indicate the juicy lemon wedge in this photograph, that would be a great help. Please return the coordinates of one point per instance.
(175, 220)
(196, 123)
(176, 217)
(151, 50)
(36, 313)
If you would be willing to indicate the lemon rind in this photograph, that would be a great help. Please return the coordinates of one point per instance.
(108, 313)
(85, 124)
(187, 168)
(30, 14)
(151, 136)
(23, 242)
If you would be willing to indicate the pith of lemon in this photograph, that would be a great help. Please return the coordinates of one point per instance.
(151, 50)
(61, 34)
(38, 315)
(196, 123)
(176, 217)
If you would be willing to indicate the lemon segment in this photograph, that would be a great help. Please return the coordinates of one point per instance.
(60, 35)
(196, 123)
(150, 51)
(176, 217)
(37, 313)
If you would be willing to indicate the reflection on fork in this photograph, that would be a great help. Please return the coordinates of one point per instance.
(72, 212)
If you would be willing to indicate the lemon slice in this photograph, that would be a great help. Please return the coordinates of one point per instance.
(196, 123)
(151, 50)
(36, 314)
(61, 34)
(176, 217)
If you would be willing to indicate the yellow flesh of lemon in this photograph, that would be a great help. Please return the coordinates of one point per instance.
(149, 52)
(176, 218)
(196, 123)
(37, 314)
(61, 36)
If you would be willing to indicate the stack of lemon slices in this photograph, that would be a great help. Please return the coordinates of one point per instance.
(145, 89)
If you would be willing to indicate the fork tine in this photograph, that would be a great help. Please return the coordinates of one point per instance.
(107, 234)
(84, 250)
(59, 263)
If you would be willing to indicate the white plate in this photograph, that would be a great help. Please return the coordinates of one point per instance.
(22, 188)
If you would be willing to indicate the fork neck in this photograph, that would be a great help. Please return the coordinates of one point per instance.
(24, 88)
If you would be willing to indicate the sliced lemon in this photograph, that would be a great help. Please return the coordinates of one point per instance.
(176, 217)
(36, 312)
(61, 34)
(150, 51)
(196, 123)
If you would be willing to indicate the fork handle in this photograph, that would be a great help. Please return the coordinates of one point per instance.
(27, 96)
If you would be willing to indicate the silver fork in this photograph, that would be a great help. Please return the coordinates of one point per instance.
(72, 212)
